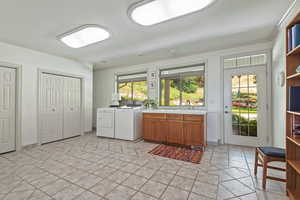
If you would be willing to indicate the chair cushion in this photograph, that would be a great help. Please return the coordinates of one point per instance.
(273, 151)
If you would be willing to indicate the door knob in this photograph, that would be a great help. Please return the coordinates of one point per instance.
(72, 109)
(226, 112)
(53, 109)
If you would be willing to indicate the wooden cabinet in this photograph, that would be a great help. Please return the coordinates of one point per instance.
(193, 133)
(175, 132)
(152, 129)
(188, 130)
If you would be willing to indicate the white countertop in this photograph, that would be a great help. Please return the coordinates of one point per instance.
(175, 111)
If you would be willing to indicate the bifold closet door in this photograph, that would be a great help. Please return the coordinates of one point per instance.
(72, 107)
(51, 108)
(7, 109)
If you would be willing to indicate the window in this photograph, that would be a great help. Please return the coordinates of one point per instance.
(133, 88)
(157, 11)
(184, 86)
(245, 61)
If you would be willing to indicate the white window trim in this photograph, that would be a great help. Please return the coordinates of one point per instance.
(116, 86)
(201, 61)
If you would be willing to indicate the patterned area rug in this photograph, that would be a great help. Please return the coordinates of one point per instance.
(177, 153)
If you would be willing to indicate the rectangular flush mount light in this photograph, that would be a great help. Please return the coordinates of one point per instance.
(84, 36)
(157, 11)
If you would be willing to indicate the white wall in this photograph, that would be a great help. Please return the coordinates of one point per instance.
(31, 61)
(278, 93)
(104, 82)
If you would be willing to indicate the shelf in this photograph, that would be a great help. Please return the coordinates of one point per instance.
(295, 165)
(294, 21)
(295, 51)
(294, 76)
(294, 112)
(294, 140)
(293, 194)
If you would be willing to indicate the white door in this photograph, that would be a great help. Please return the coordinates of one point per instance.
(7, 109)
(51, 108)
(72, 107)
(245, 100)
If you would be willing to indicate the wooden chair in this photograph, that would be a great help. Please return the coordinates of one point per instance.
(264, 155)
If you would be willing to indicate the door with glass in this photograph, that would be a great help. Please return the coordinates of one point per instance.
(245, 111)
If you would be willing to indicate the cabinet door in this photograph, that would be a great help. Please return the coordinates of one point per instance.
(155, 130)
(175, 132)
(147, 132)
(160, 130)
(193, 134)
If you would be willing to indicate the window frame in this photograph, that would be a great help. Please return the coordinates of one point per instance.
(118, 82)
(200, 63)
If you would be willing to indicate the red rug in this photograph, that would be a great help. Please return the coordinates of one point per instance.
(177, 153)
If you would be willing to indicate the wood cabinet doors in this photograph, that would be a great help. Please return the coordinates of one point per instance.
(175, 132)
(155, 130)
(188, 130)
(193, 133)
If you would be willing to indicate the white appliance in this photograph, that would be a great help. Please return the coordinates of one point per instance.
(119, 123)
(128, 124)
(106, 122)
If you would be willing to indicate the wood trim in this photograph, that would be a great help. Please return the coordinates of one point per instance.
(175, 117)
(197, 118)
(154, 116)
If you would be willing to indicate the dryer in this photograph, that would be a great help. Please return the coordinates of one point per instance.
(128, 123)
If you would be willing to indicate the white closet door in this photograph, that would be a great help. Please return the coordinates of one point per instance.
(72, 107)
(51, 108)
(7, 109)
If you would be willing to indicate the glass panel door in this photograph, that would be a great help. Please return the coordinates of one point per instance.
(245, 106)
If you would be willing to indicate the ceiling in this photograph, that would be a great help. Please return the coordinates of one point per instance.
(35, 24)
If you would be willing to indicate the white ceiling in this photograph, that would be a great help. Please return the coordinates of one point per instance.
(227, 23)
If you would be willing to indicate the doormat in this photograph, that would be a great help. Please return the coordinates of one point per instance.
(178, 153)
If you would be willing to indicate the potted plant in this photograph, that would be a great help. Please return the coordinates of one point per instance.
(150, 104)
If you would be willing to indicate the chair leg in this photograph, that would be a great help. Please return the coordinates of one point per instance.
(256, 162)
(265, 173)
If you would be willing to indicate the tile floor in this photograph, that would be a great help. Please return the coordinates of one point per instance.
(91, 168)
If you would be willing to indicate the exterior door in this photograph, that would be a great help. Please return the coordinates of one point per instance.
(72, 107)
(245, 99)
(7, 109)
(51, 108)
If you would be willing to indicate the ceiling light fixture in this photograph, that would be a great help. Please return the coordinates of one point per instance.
(152, 12)
(84, 36)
